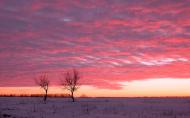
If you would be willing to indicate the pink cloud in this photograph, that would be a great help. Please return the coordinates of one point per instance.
(108, 41)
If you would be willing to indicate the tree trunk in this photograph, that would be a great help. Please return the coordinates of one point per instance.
(45, 96)
(72, 96)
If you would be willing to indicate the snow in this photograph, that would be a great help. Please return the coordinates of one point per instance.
(33, 107)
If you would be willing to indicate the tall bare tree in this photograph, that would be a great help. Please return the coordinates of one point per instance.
(43, 82)
(70, 81)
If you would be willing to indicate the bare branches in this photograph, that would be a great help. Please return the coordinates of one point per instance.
(43, 82)
(71, 81)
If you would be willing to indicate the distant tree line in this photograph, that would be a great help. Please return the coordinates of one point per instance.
(35, 95)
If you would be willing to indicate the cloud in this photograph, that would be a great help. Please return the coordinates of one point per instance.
(108, 41)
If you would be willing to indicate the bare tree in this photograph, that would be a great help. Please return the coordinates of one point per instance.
(71, 82)
(43, 82)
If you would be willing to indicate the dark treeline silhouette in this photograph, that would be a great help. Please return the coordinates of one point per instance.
(34, 95)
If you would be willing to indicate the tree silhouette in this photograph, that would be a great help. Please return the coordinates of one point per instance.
(43, 82)
(70, 82)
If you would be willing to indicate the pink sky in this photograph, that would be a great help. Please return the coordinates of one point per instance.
(108, 41)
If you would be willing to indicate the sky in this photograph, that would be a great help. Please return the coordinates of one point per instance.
(114, 44)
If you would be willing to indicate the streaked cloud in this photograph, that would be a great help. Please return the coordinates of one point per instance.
(108, 41)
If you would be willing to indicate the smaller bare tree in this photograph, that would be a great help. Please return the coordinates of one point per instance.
(43, 82)
(71, 82)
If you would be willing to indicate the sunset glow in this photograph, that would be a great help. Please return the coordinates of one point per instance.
(139, 88)
(122, 48)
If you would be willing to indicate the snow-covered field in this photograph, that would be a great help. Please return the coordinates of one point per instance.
(26, 107)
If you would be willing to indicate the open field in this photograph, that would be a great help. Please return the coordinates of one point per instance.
(33, 107)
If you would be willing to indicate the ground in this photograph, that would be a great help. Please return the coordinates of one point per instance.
(27, 107)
